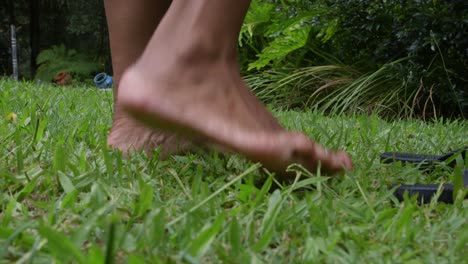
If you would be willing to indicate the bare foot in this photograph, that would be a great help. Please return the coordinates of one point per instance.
(128, 135)
(207, 99)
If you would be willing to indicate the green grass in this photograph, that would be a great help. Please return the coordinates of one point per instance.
(65, 197)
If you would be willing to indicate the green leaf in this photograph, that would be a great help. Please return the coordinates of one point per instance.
(267, 227)
(61, 246)
(156, 223)
(69, 200)
(80, 234)
(29, 188)
(265, 188)
(66, 183)
(40, 128)
(59, 158)
(145, 202)
(258, 14)
(235, 235)
(459, 188)
(134, 259)
(202, 242)
(95, 256)
(8, 212)
(11, 235)
(283, 45)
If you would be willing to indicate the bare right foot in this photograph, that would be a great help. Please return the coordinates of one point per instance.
(128, 134)
(188, 81)
(210, 102)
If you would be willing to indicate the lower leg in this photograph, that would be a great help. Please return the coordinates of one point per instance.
(131, 26)
(188, 80)
(195, 34)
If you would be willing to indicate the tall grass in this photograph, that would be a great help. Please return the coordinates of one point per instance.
(340, 89)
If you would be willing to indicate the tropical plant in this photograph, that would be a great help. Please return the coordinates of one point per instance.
(279, 30)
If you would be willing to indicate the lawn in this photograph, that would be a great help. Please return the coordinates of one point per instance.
(66, 198)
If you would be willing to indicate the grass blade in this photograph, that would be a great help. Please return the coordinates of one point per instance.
(60, 245)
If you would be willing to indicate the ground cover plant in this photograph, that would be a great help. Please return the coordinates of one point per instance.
(65, 197)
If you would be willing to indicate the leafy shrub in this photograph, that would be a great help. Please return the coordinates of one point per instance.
(59, 59)
(421, 47)
(276, 31)
(433, 35)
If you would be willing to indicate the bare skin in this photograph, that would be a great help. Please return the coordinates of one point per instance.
(187, 81)
(130, 28)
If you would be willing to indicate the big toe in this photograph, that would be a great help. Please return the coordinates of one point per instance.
(309, 154)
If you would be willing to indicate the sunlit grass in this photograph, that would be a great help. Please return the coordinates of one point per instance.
(66, 197)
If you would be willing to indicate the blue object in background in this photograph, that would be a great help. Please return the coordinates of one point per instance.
(102, 80)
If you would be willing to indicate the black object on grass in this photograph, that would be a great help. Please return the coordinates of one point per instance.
(425, 192)
(426, 161)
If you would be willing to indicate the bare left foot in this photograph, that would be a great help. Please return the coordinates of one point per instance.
(129, 135)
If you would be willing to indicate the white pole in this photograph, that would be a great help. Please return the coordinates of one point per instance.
(14, 54)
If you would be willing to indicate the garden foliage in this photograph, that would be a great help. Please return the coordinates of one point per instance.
(78, 25)
(398, 58)
(419, 49)
(59, 59)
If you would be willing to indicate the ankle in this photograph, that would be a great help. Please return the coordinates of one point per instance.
(205, 49)
(119, 113)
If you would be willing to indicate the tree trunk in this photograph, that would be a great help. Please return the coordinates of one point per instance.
(34, 33)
